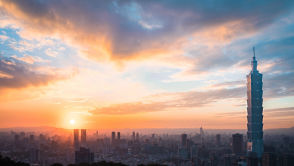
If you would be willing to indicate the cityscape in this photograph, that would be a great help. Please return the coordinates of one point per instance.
(146, 83)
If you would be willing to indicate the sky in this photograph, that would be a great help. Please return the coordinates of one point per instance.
(144, 64)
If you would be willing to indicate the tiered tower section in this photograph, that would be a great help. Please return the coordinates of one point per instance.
(254, 110)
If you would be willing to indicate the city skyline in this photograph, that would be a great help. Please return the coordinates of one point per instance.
(143, 64)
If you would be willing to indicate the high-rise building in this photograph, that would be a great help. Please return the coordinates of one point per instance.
(84, 156)
(137, 136)
(76, 139)
(237, 143)
(202, 135)
(254, 110)
(83, 137)
(96, 134)
(134, 136)
(118, 135)
(113, 137)
(184, 140)
(32, 138)
(269, 159)
(34, 155)
(218, 139)
(252, 159)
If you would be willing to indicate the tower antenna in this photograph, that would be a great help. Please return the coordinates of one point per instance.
(253, 51)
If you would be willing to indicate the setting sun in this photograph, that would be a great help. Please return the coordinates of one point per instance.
(72, 121)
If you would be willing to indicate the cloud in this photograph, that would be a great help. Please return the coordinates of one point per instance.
(3, 37)
(171, 101)
(29, 59)
(269, 113)
(5, 75)
(51, 53)
(279, 85)
(122, 30)
(15, 74)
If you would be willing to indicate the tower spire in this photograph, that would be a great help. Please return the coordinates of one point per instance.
(254, 62)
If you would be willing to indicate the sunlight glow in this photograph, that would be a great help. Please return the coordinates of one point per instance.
(72, 121)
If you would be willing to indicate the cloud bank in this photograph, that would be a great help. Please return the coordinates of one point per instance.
(122, 30)
(16, 74)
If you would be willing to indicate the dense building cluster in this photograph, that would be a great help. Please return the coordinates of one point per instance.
(197, 148)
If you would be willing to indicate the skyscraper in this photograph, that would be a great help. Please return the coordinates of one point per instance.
(83, 137)
(113, 137)
(184, 140)
(76, 139)
(254, 110)
(118, 135)
(137, 136)
(202, 135)
(237, 143)
(134, 136)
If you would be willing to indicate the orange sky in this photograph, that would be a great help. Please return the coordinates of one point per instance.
(141, 65)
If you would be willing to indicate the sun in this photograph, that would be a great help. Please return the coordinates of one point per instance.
(72, 121)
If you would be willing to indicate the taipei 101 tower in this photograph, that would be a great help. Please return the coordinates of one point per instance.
(254, 110)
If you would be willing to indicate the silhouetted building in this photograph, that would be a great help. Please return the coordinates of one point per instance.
(16, 140)
(32, 138)
(254, 110)
(76, 139)
(183, 153)
(184, 140)
(42, 138)
(118, 135)
(84, 156)
(34, 155)
(134, 136)
(83, 137)
(269, 159)
(252, 159)
(202, 135)
(237, 143)
(137, 137)
(218, 139)
(286, 160)
(230, 160)
(113, 137)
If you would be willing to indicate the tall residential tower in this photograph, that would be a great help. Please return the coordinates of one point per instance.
(76, 139)
(254, 110)
(84, 138)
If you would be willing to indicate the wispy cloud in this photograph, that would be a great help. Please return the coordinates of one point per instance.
(171, 101)
(268, 113)
(29, 59)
